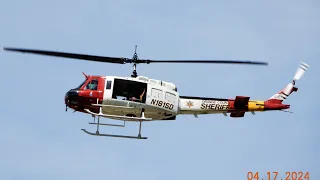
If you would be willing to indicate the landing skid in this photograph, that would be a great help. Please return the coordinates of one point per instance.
(142, 118)
(113, 135)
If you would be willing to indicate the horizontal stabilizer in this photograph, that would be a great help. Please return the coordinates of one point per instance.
(237, 114)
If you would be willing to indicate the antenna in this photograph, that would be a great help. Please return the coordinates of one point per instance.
(135, 50)
(286, 111)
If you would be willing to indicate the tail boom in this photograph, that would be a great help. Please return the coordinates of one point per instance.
(241, 104)
(275, 106)
(236, 107)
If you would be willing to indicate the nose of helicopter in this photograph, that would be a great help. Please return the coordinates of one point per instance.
(71, 97)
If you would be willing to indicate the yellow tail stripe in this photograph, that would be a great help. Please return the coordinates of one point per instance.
(256, 106)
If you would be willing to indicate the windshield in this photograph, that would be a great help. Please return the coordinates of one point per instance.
(81, 84)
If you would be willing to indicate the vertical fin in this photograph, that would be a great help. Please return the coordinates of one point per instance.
(285, 92)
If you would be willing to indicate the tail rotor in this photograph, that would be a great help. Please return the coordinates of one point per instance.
(301, 70)
(299, 73)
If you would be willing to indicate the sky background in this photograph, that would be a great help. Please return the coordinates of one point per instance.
(39, 140)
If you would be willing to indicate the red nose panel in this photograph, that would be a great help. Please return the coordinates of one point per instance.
(90, 93)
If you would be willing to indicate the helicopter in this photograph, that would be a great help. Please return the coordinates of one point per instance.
(143, 99)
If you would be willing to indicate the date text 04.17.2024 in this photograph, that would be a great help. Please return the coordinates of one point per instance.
(278, 176)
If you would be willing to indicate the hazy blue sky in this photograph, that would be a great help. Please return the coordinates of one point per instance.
(39, 140)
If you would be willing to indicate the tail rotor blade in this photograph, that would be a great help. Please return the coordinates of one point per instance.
(301, 70)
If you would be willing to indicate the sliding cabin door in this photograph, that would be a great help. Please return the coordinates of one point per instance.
(162, 98)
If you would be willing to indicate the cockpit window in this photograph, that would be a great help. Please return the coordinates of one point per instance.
(81, 84)
(92, 85)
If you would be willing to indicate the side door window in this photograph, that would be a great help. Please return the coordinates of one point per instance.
(109, 83)
(170, 97)
(156, 93)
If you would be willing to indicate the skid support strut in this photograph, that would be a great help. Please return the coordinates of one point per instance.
(140, 122)
(113, 135)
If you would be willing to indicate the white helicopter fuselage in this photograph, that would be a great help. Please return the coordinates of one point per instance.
(162, 101)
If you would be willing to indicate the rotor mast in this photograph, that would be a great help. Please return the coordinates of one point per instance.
(134, 60)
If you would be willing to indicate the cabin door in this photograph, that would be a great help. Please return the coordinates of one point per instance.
(162, 98)
(108, 89)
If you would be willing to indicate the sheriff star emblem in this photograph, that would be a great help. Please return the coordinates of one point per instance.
(189, 103)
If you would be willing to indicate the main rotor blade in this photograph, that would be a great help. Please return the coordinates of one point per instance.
(124, 60)
(70, 55)
(208, 61)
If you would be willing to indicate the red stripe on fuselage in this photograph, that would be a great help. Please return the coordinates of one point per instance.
(231, 104)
